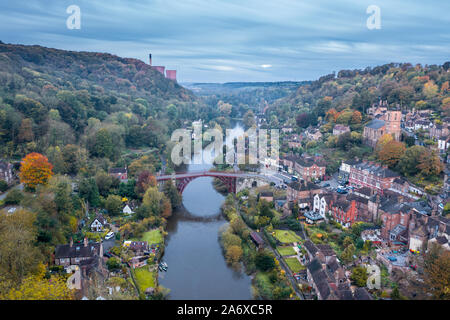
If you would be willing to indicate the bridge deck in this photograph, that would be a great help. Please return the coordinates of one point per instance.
(209, 174)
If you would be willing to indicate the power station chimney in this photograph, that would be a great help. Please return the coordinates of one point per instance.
(150, 59)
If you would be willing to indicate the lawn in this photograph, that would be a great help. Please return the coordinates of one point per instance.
(152, 237)
(286, 251)
(294, 264)
(286, 236)
(144, 278)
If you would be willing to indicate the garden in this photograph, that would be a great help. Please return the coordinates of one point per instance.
(286, 236)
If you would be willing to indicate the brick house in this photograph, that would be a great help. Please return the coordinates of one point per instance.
(344, 212)
(70, 254)
(438, 130)
(394, 216)
(371, 175)
(301, 190)
(119, 173)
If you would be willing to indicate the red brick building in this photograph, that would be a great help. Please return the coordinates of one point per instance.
(395, 218)
(344, 212)
(371, 175)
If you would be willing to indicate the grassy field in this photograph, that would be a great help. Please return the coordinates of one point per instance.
(152, 236)
(294, 264)
(144, 278)
(286, 236)
(286, 251)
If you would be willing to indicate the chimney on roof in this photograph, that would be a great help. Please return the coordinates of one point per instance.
(85, 241)
(150, 59)
(71, 242)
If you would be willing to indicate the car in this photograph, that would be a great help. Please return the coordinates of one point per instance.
(109, 236)
(326, 185)
(108, 255)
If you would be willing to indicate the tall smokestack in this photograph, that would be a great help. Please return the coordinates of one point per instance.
(150, 59)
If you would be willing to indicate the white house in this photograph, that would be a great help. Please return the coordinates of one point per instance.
(127, 210)
(321, 204)
(443, 144)
(98, 224)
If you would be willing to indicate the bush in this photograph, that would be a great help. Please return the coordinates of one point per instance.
(14, 197)
(3, 186)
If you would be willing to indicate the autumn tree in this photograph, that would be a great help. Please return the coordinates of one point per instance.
(18, 255)
(391, 153)
(35, 170)
(437, 272)
(359, 276)
(172, 194)
(233, 254)
(40, 287)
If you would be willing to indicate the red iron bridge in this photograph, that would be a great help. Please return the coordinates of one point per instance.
(228, 178)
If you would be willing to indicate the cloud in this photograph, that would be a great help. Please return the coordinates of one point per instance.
(233, 40)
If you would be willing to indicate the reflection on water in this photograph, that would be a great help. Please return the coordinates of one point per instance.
(197, 268)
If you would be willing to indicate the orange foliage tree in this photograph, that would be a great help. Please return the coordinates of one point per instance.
(35, 170)
(391, 152)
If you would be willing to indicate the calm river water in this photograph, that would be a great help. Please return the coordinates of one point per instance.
(197, 268)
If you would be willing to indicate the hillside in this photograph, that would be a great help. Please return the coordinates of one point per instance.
(405, 85)
(52, 97)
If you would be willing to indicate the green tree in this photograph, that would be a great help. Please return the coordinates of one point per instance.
(264, 261)
(88, 190)
(172, 194)
(359, 276)
(114, 205)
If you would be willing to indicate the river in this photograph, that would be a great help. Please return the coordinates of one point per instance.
(197, 269)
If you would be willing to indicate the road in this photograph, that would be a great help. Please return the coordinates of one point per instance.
(19, 186)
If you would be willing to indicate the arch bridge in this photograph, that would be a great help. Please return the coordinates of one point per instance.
(228, 178)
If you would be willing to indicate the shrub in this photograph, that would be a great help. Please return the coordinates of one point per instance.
(14, 197)
(3, 186)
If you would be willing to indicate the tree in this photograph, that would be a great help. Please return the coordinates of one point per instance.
(18, 255)
(303, 120)
(35, 170)
(347, 255)
(114, 205)
(3, 186)
(233, 254)
(391, 153)
(113, 264)
(88, 190)
(264, 261)
(40, 287)
(249, 119)
(359, 276)
(144, 181)
(347, 241)
(172, 194)
(26, 131)
(437, 272)
(103, 147)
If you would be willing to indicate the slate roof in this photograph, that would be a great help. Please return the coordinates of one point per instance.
(333, 265)
(376, 169)
(118, 170)
(375, 124)
(362, 294)
(311, 247)
(257, 238)
(77, 251)
(326, 249)
(352, 196)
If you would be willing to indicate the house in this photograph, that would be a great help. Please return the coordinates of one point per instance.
(371, 175)
(319, 280)
(344, 212)
(437, 131)
(6, 173)
(127, 210)
(310, 168)
(302, 190)
(362, 294)
(422, 125)
(313, 217)
(266, 195)
(389, 123)
(257, 240)
(314, 134)
(340, 129)
(311, 249)
(443, 143)
(119, 173)
(322, 204)
(395, 218)
(362, 207)
(70, 254)
(99, 223)
(326, 253)
(344, 169)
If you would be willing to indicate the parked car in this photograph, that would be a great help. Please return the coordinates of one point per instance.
(326, 185)
(110, 235)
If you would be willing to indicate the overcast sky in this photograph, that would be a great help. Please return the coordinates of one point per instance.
(239, 40)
